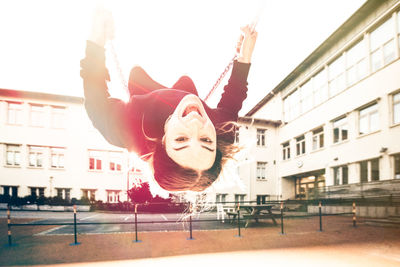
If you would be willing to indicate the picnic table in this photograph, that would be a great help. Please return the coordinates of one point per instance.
(256, 212)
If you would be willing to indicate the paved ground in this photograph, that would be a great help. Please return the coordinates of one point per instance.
(339, 244)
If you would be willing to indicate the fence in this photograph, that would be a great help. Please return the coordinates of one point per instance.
(278, 209)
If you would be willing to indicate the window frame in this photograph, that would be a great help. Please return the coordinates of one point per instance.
(301, 145)
(261, 171)
(286, 151)
(261, 137)
(368, 115)
(342, 124)
(318, 136)
(14, 113)
(395, 104)
(37, 114)
(38, 153)
(14, 149)
(98, 157)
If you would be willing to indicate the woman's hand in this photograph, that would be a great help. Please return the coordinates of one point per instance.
(102, 27)
(246, 44)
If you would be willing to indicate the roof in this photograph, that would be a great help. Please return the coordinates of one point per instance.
(39, 95)
(367, 8)
(259, 121)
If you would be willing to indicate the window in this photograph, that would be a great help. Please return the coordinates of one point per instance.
(115, 161)
(340, 175)
(356, 63)
(220, 198)
(35, 156)
(58, 117)
(336, 76)
(57, 158)
(239, 198)
(396, 108)
(318, 138)
(14, 113)
(369, 170)
(368, 119)
(382, 45)
(320, 87)
(13, 155)
(306, 96)
(340, 130)
(261, 170)
(364, 171)
(300, 145)
(261, 199)
(37, 115)
(286, 151)
(95, 159)
(89, 194)
(113, 196)
(64, 193)
(37, 192)
(10, 191)
(396, 166)
(398, 27)
(292, 106)
(260, 137)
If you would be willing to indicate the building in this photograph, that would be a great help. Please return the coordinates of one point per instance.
(340, 110)
(48, 147)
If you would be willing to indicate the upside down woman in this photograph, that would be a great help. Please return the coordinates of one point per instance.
(185, 141)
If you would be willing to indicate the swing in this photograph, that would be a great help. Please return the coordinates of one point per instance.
(220, 78)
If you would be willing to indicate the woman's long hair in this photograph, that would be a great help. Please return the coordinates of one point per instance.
(173, 177)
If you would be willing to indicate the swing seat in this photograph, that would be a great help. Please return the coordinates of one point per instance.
(141, 83)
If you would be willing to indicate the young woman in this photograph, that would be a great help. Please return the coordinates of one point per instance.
(185, 141)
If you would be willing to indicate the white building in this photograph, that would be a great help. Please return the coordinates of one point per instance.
(340, 110)
(48, 147)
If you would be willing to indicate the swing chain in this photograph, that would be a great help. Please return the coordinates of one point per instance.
(118, 66)
(221, 77)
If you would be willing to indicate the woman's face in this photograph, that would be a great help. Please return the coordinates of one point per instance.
(190, 137)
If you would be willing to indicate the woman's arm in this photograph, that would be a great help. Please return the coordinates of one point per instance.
(235, 92)
(106, 113)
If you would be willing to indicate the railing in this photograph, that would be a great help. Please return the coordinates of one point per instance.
(281, 206)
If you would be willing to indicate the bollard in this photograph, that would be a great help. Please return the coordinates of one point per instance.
(75, 232)
(238, 219)
(354, 214)
(9, 226)
(190, 228)
(320, 216)
(282, 232)
(136, 233)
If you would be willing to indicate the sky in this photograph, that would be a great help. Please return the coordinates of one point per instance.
(42, 41)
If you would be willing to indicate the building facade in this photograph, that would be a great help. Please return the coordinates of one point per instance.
(49, 148)
(340, 111)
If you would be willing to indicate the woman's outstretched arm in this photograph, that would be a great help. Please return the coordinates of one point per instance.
(106, 113)
(235, 92)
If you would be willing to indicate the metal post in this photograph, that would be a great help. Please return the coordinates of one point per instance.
(75, 232)
(238, 219)
(190, 228)
(354, 214)
(282, 232)
(136, 233)
(320, 216)
(8, 225)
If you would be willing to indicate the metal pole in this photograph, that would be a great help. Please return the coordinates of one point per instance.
(238, 219)
(190, 228)
(8, 225)
(282, 232)
(136, 233)
(320, 216)
(75, 232)
(354, 214)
